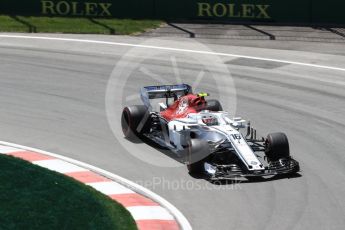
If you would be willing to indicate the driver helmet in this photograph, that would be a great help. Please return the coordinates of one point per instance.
(209, 120)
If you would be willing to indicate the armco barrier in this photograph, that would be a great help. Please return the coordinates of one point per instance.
(268, 11)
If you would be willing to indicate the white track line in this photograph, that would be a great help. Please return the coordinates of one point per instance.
(149, 213)
(173, 49)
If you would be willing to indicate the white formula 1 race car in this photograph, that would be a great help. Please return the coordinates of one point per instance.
(208, 139)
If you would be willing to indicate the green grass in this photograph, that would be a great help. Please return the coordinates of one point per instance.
(75, 25)
(32, 197)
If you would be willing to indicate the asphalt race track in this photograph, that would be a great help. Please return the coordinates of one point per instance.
(52, 97)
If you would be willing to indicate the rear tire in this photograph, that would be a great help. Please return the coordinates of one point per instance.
(131, 117)
(277, 146)
(213, 105)
(198, 151)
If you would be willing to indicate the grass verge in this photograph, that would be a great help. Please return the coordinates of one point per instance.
(75, 25)
(32, 197)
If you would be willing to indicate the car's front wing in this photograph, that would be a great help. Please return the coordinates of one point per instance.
(280, 167)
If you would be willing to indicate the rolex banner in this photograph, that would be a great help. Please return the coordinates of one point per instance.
(80, 8)
(267, 11)
(236, 10)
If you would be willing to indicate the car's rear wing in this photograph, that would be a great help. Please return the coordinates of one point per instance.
(163, 91)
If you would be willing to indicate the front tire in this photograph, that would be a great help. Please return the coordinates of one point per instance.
(131, 118)
(198, 151)
(277, 146)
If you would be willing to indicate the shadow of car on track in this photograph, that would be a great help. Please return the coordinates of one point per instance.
(244, 180)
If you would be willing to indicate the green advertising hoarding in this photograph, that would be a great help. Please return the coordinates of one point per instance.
(80, 8)
(330, 11)
(268, 11)
(236, 10)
